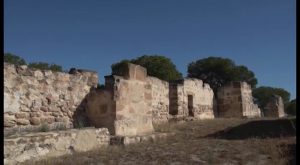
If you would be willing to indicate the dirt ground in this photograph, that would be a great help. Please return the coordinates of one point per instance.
(218, 141)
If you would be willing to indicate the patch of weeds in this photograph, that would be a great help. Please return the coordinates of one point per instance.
(79, 124)
(61, 126)
(44, 127)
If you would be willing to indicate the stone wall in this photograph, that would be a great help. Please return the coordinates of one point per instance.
(128, 103)
(275, 107)
(38, 145)
(191, 97)
(235, 100)
(32, 97)
(160, 99)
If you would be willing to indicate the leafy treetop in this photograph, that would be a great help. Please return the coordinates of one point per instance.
(264, 93)
(156, 65)
(13, 59)
(217, 71)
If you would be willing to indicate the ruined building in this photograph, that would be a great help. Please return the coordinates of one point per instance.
(132, 101)
(128, 105)
(235, 100)
(275, 107)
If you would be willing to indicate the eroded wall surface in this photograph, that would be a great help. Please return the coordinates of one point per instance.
(249, 108)
(235, 100)
(201, 97)
(160, 99)
(32, 97)
(39, 145)
(128, 99)
(100, 109)
(275, 107)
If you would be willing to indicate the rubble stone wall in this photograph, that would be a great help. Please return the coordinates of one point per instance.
(125, 104)
(19, 148)
(235, 100)
(249, 108)
(275, 107)
(33, 97)
(160, 99)
(201, 97)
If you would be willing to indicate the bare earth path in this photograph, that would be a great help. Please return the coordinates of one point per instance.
(219, 141)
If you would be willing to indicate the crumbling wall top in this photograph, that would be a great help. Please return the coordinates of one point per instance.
(132, 71)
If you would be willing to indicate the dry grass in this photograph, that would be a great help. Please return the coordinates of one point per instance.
(188, 146)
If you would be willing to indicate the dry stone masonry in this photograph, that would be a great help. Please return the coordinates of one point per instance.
(33, 97)
(129, 104)
(36, 145)
(235, 100)
(125, 108)
(275, 107)
(191, 97)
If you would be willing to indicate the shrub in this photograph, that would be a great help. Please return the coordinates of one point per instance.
(13, 59)
(44, 127)
(45, 66)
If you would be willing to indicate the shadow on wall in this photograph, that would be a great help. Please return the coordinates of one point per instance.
(80, 118)
(259, 129)
(97, 109)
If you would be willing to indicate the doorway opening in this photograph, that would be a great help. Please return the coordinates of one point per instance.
(190, 105)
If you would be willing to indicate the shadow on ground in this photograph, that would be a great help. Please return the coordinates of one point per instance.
(258, 129)
(290, 152)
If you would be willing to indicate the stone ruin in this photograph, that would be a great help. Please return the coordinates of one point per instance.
(127, 106)
(132, 101)
(191, 97)
(235, 100)
(33, 97)
(275, 107)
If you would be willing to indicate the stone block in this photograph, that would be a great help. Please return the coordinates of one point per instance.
(22, 115)
(9, 121)
(22, 121)
(35, 121)
(44, 109)
(132, 71)
(35, 114)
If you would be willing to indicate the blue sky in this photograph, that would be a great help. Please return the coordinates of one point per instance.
(93, 34)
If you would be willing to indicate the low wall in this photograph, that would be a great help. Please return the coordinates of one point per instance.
(33, 97)
(19, 148)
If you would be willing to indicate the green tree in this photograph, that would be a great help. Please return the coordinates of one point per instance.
(263, 94)
(242, 73)
(13, 59)
(157, 66)
(217, 71)
(291, 107)
(118, 68)
(45, 66)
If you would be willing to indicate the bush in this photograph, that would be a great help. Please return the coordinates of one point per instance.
(13, 59)
(45, 66)
(44, 127)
